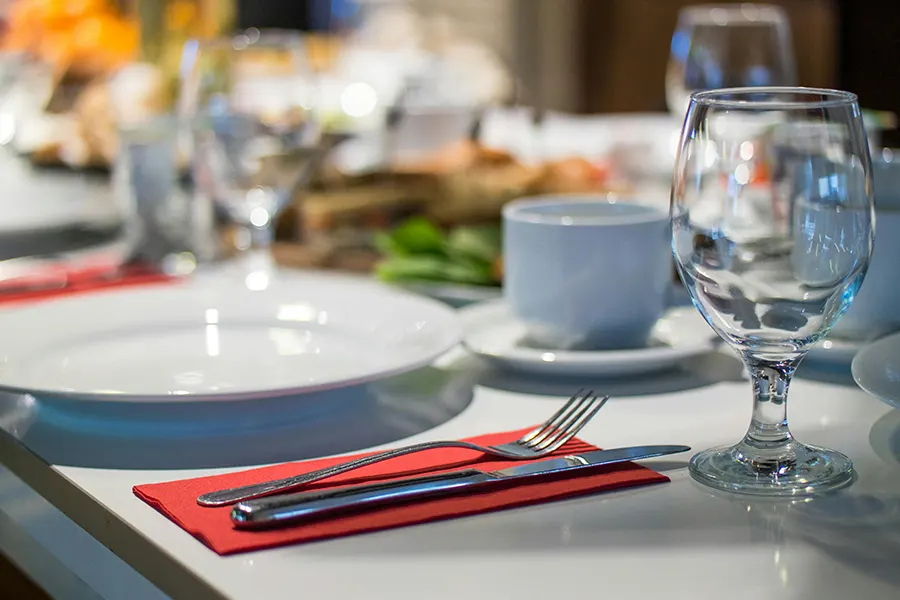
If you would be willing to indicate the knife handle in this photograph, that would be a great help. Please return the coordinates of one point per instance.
(287, 509)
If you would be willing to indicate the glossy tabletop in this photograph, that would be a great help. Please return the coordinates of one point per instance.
(675, 540)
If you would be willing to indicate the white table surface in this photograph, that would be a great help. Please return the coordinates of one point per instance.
(676, 540)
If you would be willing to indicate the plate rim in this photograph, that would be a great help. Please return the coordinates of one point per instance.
(449, 340)
(877, 347)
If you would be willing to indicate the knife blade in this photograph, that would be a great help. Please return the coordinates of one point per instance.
(288, 509)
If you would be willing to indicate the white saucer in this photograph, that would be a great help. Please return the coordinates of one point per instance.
(876, 369)
(221, 335)
(490, 331)
(456, 295)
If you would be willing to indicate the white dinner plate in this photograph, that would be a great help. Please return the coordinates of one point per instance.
(876, 369)
(221, 335)
(490, 331)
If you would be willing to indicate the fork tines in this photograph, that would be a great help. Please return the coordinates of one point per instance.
(566, 423)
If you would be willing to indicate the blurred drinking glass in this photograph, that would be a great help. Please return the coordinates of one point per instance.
(722, 46)
(248, 100)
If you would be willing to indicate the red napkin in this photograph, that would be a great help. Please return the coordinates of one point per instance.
(53, 284)
(178, 499)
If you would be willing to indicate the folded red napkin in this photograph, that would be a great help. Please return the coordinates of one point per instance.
(178, 499)
(52, 284)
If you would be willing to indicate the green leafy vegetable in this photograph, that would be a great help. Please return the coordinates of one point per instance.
(479, 243)
(417, 236)
(417, 250)
(405, 268)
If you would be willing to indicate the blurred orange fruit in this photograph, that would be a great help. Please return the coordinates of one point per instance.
(57, 47)
(105, 40)
(23, 31)
(66, 32)
(60, 10)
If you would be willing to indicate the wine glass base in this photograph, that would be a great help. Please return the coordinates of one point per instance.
(799, 470)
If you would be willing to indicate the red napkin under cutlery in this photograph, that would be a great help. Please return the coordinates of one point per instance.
(177, 500)
(49, 284)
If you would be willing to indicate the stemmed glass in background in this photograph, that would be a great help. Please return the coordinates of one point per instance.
(716, 46)
(248, 101)
(772, 230)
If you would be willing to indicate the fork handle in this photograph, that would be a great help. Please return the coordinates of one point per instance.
(277, 486)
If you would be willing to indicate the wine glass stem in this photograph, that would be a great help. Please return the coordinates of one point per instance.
(258, 255)
(771, 379)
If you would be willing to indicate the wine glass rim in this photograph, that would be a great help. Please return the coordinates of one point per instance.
(252, 37)
(730, 98)
(745, 12)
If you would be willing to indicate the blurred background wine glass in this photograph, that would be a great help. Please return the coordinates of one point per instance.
(248, 100)
(715, 46)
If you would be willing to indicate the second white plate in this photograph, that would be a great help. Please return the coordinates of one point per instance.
(876, 369)
(490, 331)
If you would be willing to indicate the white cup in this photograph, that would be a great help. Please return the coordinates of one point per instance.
(586, 272)
(876, 309)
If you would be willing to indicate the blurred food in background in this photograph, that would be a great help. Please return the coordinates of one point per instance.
(436, 219)
(68, 48)
(88, 65)
(63, 104)
(77, 39)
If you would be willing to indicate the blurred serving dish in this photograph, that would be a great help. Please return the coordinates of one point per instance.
(433, 221)
(433, 224)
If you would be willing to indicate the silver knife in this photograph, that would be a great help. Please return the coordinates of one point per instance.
(277, 511)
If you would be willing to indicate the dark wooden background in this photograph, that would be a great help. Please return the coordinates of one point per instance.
(848, 44)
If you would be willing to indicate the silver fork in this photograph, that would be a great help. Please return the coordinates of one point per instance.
(541, 441)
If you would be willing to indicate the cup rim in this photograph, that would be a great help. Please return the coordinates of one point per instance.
(520, 211)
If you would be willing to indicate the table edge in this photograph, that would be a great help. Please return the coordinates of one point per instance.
(138, 551)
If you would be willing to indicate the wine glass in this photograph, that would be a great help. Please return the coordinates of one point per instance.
(772, 229)
(255, 139)
(715, 46)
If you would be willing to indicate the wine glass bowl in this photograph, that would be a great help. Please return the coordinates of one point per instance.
(249, 100)
(726, 46)
(772, 230)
